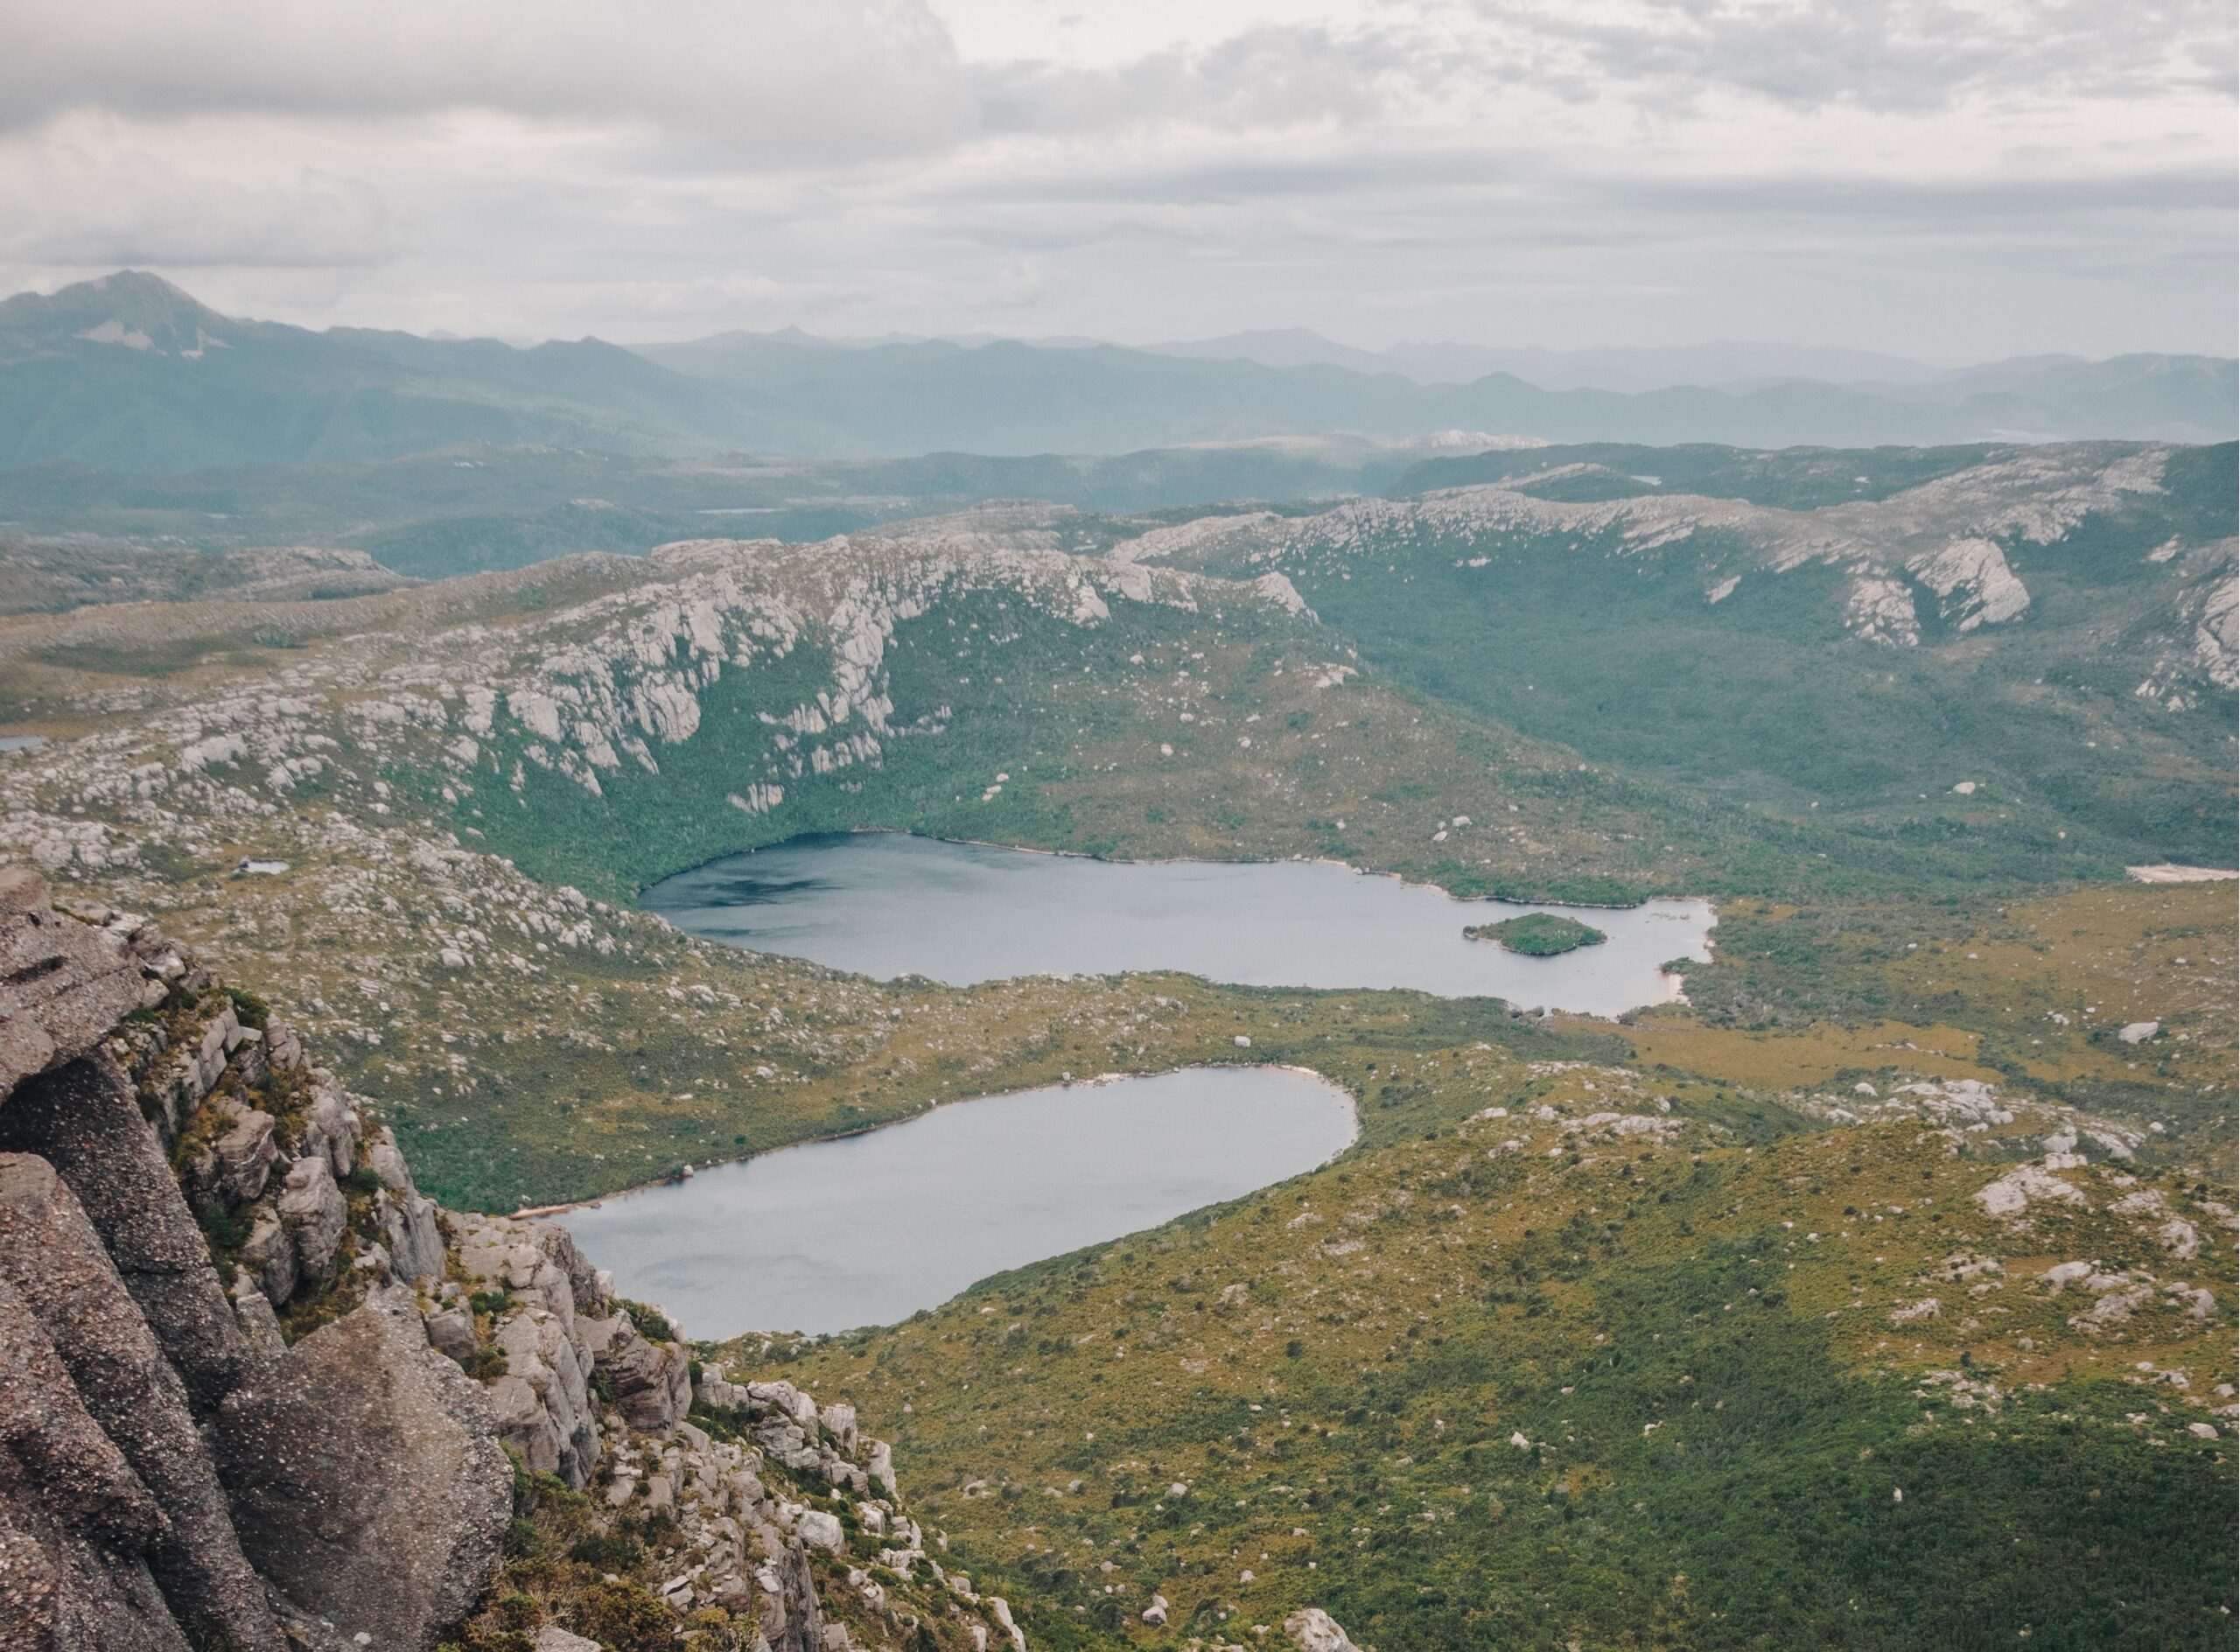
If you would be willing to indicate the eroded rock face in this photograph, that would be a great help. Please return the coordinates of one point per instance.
(76, 1524)
(60, 1272)
(312, 1210)
(652, 1381)
(366, 1477)
(407, 1221)
(792, 1620)
(350, 1489)
(559, 1328)
(85, 1121)
(363, 1474)
(62, 984)
(543, 1401)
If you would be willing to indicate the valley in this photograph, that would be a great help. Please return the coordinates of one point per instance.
(1846, 1299)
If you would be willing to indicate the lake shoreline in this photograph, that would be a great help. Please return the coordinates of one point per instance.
(972, 1191)
(1400, 877)
(963, 912)
(536, 1211)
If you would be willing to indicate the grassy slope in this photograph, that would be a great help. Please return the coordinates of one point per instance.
(1596, 644)
(1693, 1336)
(1262, 761)
(1749, 1516)
(582, 1073)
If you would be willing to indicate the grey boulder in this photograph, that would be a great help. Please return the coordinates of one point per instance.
(367, 1475)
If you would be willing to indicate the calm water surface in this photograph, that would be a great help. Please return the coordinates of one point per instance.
(870, 1229)
(887, 905)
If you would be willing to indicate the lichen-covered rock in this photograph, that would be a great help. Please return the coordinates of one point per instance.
(85, 1121)
(529, 1259)
(878, 1464)
(314, 1211)
(63, 985)
(243, 1153)
(76, 1524)
(331, 1126)
(560, 1438)
(787, 1399)
(54, 1258)
(792, 1620)
(553, 1638)
(651, 1382)
(407, 1220)
(1311, 1629)
(253, 1311)
(366, 1477)
(451, 1331)
(268, 1254)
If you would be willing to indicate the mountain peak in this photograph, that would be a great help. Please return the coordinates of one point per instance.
(129, 309)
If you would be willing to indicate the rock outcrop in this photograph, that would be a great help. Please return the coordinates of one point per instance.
(1311, 1629)
(174, 1474)
(367, 1475)
(66, 984)
(258, 1392)
(50, 1253)
(85, 1121)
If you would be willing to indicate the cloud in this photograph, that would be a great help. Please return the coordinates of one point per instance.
(1881, 54)
(1269, 78)
(72, 206)
(776, 82)
(1972, 204)
(1965, 178)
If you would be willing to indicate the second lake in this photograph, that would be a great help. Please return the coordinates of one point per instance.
(887, 905)
(868, 1230)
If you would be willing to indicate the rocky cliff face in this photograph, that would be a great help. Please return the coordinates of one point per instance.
(256, 1392)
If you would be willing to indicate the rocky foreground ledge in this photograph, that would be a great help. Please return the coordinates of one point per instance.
(257, 1392)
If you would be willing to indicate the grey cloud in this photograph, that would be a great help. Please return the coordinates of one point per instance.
(1905, 55)
(1248, 177)
(1863, 201)
(74, 211)
(776, 82)
(696, 164)
(1263, 78)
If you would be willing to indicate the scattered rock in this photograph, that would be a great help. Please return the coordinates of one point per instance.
(2011, 1194)
(1311, 1629)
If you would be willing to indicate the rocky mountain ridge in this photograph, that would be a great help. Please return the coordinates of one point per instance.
(260, 1393)
(1935, 547)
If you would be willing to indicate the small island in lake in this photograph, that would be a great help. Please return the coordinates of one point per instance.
(1538, 934)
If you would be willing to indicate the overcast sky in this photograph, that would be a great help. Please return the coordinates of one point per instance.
(1954, 179)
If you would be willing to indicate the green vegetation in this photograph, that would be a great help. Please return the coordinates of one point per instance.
(1538, 934)
(1720, 1266)
(1973, 757)
(1790, 477)
(1727, 1441)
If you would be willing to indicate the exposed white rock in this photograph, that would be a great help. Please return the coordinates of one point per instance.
(2011, 1194)
(1311, 1629)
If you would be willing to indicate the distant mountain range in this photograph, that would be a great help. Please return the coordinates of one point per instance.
(129, 373)
(1630, 371)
